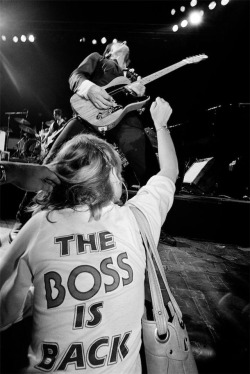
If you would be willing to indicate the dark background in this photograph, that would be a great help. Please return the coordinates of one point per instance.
(210, 100)
(35, 76)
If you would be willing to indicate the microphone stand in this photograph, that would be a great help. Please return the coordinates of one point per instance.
(8, 131)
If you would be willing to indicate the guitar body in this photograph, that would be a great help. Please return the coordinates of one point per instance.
(108, 118)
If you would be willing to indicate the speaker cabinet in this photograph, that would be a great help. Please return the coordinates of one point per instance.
(201, 177)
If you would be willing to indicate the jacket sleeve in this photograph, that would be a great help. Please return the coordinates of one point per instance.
(84, 71)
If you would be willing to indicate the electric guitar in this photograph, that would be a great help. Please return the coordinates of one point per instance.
(125, 100)
(53, 136)
(45, 146)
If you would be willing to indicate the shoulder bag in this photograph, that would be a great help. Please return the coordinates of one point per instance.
(165, 339)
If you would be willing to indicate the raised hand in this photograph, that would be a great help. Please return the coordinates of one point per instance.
(160, 112)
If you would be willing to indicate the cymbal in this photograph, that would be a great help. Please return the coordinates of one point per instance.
(48, 123)
(5, 129)
(22, 121)
(27, 129)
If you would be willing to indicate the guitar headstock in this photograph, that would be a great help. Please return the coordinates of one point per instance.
(195, 59)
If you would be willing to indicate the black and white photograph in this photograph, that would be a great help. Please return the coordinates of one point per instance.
(125, 186)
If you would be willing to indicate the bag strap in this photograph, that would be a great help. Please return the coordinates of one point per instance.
(160, 312)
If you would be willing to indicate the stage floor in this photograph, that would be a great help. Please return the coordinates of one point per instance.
(210, 281)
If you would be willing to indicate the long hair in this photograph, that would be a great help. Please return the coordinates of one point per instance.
(83, 165)
(106, 53)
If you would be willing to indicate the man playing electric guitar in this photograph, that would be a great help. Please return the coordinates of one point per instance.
(87, 81)
(55, 127)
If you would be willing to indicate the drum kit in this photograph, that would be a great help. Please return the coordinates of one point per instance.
(29, 145)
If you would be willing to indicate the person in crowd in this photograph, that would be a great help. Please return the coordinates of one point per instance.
(80, 258)
(28, 177)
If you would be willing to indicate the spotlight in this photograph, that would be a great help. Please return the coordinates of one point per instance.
(94, 41)
(83, 40)
(103, 40)
(114, 41)
(4, 38)
(193, 3)
(182, 9)
(175, 28)
(195, 17)
(184, 23)
(31, 38)
(15, 39)
(224, 2)
(23, 38)
(212, 5)
(173, 11)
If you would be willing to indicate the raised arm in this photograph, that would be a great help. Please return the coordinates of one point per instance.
(160, 112)
(28, 177)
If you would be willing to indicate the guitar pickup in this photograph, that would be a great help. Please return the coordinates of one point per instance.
(109, 111)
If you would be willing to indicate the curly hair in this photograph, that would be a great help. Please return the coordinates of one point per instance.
(83, 165)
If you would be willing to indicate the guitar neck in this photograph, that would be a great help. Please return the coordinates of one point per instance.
(162, 72)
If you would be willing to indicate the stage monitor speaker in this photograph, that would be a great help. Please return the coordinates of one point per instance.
(201, 177)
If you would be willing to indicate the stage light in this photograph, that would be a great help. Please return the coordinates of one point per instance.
(83, 40)
(4, 38)
(31, 38)
(184, 23)
(114, 41)
(173, 11)
(224, 2)
(103, 40)
(195, 17)
(23, 38)
(15, 39)
(212, 5)
(182, 9)
(94, 41)
(175, 28)
(193, 3)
